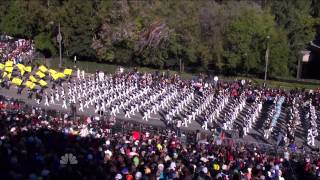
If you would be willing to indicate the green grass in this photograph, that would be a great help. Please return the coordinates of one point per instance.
(288, 85)
(91, 67)
(277, 84)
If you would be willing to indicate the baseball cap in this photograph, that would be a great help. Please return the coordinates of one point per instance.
(118, 176)
(138, 175)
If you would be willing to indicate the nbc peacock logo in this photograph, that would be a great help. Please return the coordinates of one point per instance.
(68, 158)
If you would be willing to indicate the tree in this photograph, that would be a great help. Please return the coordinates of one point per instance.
(4, 7)
(278, 55)
(202, 35)
(78, 24)
(24, 18)
(214, 19)
(315, 8)
(182, 18)
(117, 33)
(246, 41)
(44, 44)
(295, 18)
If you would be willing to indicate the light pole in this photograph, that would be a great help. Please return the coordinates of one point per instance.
(246, 63)
(299, 69)
(304, 58)
(59, 38)
(180, 65)
(267, 61)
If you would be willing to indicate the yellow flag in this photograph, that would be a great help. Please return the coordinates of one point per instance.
(4, 74)
(1, 66)
(32, 78)
(40, 74)
(67, 72)
(55, 76)
(22, 71)
(8, 69)
(42, 83)
(17, 81)
(9, 76)
(20, 66)
(30, 84)
(52, 71)
(28, 68)
(43, 68)
(61, 75)
(9, 64)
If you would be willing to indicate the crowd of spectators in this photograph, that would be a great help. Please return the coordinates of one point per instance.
(18, 50)
(35, 144)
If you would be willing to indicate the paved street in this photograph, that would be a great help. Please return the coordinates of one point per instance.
(255, 135)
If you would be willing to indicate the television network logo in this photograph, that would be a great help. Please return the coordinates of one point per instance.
(68, 158)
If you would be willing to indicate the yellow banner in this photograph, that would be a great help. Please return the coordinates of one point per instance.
(22, 71)
(9, 64)
(32, 86)
(17, 81)
(29, 84)
(40, 74)
(32, 78)
(20, 66)
(52, 71)
(43, 68)
(67, 72)
(55, 76)
(8, 69)
(42, 83)
(61, 75)
(9, 76)
(28, 68)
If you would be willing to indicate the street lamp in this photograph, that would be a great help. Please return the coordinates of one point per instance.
(267, 61)
(59, 39)
(246, 63)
